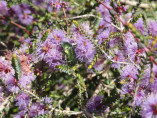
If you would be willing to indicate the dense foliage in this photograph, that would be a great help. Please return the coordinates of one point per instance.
(78, 58)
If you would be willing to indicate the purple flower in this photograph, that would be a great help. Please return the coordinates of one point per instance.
(22, 101)
(3, 7)
(146, 76)
(36, 109)
(104, 11)
(23, 49)
(118, 56)
(22, 12)
(86, 29)
(47, 100)
(155, 71)
(38, 2)
(152, 27)
(99, 64)
(15, 10)
(154, 82)
(43, 48)
(124, 8)
(6, 70)
(56, 5)
(26, 19)
(114, 42)
(153, 86)
(25, 8)
(84, 50)
(54, 58)
(130, 45)
(129, 71)
(50, 52)
(140, 26)
(95, 105)
(57, 36)
(103, 36)
(20, 114)
(12, 85)
(129, 38)
(140, 96)
(127, 89)
(149, 106)
(26, 80)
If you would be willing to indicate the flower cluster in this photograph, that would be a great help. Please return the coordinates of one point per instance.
(116, 52)
(50, 50)
(95, 105)
(23, 101)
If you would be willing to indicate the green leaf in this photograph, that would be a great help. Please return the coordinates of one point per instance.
(17, 66)
(97, 22)
(70, 53)
(82, 83)
(45, 35)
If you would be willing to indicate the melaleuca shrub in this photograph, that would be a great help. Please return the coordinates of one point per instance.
(61, 58)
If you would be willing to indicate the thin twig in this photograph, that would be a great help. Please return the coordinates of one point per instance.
(65, 112)
(65, 16)
(3, 105)
(99, 87)
(58, 111)
(89, 115)
(112, 11)
(120, 29)
(82, 16)
(133, 62)
(21, 27)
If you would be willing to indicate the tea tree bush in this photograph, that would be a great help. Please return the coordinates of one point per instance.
(78, 59)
